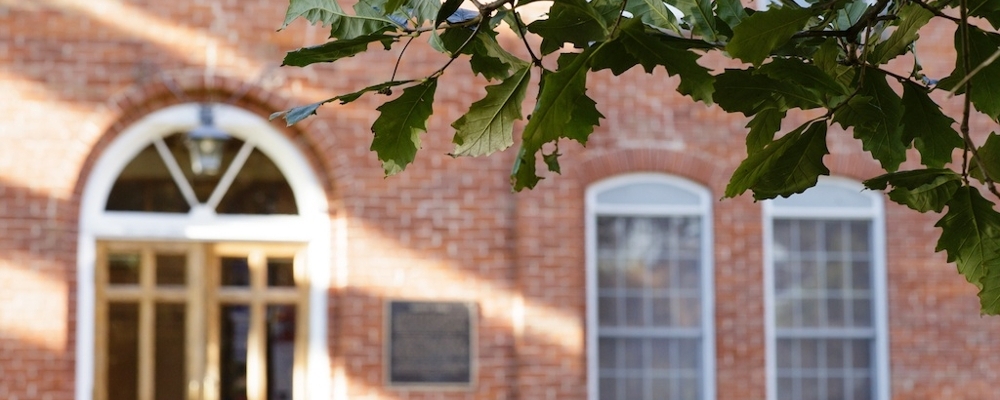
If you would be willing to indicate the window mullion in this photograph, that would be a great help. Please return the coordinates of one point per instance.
(256, 358)
(175, 172)
(147, 321)
(230, 175)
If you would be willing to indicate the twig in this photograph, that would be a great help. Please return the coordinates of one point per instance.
(399, 60)
(521, 31)
(936, 11)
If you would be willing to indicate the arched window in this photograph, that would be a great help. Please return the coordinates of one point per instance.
(202, 286)
(649, 289)
(825, 294)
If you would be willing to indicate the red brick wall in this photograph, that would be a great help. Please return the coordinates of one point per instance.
(74, 73)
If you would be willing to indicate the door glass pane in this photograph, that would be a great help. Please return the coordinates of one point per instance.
(234, 327)
(123, 347)
(235, 271)
(171, 350)
(171, 269)
(281, 321)
(123, 269)
(280, 272)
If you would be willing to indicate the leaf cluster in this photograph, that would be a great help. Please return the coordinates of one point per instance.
(855, 60)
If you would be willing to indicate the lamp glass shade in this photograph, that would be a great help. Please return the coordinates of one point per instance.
(206, 144)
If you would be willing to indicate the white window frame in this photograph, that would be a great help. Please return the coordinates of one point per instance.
(880, 321)
(703, 209)
(311, 226)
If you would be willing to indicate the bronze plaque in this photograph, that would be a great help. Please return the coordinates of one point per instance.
(431, 343)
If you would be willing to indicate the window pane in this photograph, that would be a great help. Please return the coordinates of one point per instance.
(281, 320)
(123, 347)
(171, 380)
(235, 271)
(234, 327)
(171, 269)
(280, 272)
(145, 185)
(123, 269)
(607, 311)
(259, 188)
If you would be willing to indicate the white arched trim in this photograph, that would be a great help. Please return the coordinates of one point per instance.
(651, 194)
(842, 199)
(312, 226)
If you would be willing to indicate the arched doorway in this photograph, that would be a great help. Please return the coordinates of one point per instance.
(202, 287)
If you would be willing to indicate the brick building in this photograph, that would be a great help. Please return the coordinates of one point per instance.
(124, 274)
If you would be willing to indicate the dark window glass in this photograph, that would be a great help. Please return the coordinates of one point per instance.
(169, 374)
(259, 188)
(123, 269)
(234, 328)
(145, 185)
(235, 272)
(281, 321)
(171, 269)
(123, 348)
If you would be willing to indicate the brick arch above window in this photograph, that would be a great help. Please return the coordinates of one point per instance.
(705, 171)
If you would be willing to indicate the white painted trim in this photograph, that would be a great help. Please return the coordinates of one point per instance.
(704, 210)
(880, 316)
(311, 226)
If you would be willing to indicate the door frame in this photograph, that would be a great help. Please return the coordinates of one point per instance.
(312, 227)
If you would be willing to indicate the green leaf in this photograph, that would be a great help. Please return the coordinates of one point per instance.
(876, 117)
(807, 76)
(759, 34)
(651, 50)
(489, 58)
(775, 159)
(763, 126)
(570, 21)
(731, 12)
(930, 130)
(747, 92)
(552, 161)
(653, 13)
(423, 10)
(922, 190)
(911, 18)
(397, 129)
(702, 17)
(524, 174)
(368, 20)
(333, 50)
(970, 234)
(989, 295)
(315, 11)
(986, 82)
(613, 57)
(988, 160)
(489, 124)
(447, 8)
(798, 168)
(563, 110)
